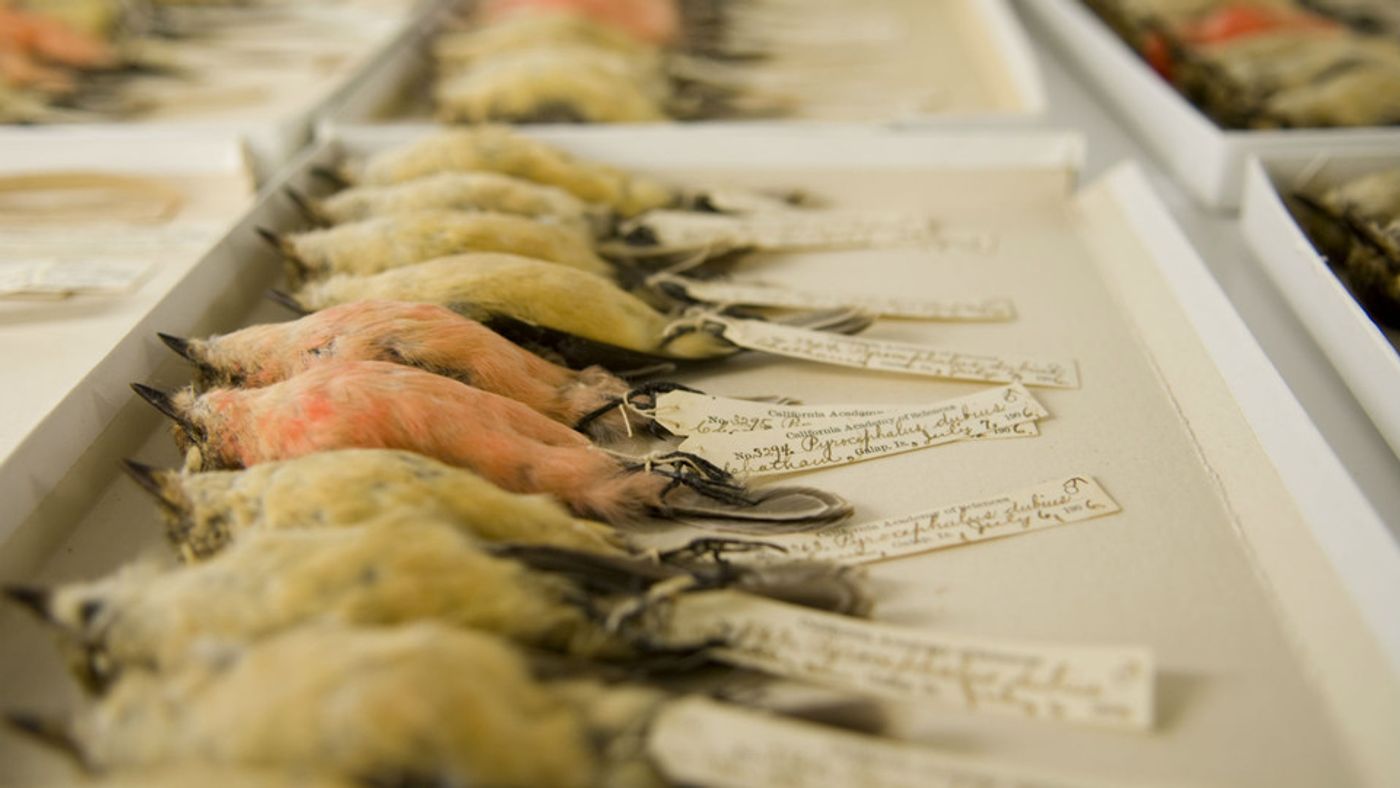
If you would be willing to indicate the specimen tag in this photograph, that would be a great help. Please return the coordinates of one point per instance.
(692, 413)
(60, 277)
(53, 261)
(804, 229)
(697, 741)
(1093, 685)
(755, 294)
(884, 356)
(1035, 508)
(730, 200)
(1001, 412)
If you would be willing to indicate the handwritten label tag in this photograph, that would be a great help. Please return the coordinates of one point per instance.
(61, 277)
(104, 258)
(1106, 686)
(1035, 508)
(794, 229)
(692, 413)
(756, 294)
(1002, 412)
(696, 741)
(900, 357)
(732, 200)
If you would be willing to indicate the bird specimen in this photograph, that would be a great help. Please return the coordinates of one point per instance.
(499, 149)
(397, 570)
(421, 704)
(375, 404)
(426, 336)
(488, 192)
(1356, 225)
(561, 312)
(206, 511)
(380, 244)
(1257, 64)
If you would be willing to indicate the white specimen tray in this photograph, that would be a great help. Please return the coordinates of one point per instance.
(69, 360)
(971, 59)
(1276, 648)
(1365, 354)
(1206, 159)
(266, 94)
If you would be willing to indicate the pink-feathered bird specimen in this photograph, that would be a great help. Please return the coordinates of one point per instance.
(376, 404)
(427, 336)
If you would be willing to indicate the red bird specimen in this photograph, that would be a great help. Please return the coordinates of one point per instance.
(427, 336)
(375, 404)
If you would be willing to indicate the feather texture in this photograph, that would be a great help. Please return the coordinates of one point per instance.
(502, 150)
(339, 489)
(426, 336)
(421, 704)
(484, 286)
(379, 244)
(375, 404)
(460, 191)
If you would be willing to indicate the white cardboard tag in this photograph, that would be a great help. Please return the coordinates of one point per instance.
(900, 357)
(1108, 686)
(1001, 412)
(59, 277)
(1042, 506)
(793, 229)
(757, 294)
(696, 741)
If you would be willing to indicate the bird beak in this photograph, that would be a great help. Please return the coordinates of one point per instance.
(36, 599)
(180, 345)
(51, 732)
(273, 239)
(148, 477)
(289, 301)
(163, 403)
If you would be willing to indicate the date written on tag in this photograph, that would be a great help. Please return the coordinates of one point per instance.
(755, 294)
(1047, 505)
(697, 741)
(1007, 411)
(900, 357)
(1108, 686)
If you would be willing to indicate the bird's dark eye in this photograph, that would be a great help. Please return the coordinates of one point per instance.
(89, 610)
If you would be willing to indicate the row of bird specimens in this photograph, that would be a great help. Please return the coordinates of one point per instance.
(362, 415)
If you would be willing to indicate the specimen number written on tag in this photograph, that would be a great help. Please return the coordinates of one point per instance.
(1007, 411)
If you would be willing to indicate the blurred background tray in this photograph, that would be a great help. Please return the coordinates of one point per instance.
(1206, 159)
(1364, 353)
(974, 65)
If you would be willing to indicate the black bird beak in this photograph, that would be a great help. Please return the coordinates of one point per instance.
(163, 403)
(49, 732)
(179, 345)
(273, 239)
(287, 300)
(36, 599)
(160, 400)
(303, 204)
(146, 476)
